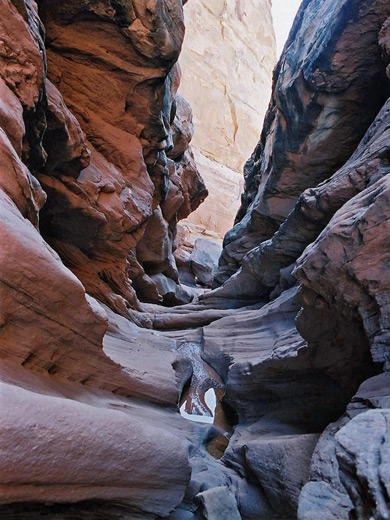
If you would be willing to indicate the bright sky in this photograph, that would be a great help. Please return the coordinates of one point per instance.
(283, 13)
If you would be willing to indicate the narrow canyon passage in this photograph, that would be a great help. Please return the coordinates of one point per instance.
(148, 369)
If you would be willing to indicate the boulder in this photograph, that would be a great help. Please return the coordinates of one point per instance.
(171, 292)
(204, 260)
(348, 473)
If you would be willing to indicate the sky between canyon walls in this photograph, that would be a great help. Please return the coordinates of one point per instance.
(283, 14)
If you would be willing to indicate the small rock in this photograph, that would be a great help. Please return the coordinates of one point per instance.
(218, 503)
(173, 293)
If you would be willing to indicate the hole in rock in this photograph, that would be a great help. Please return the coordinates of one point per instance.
(201, 400)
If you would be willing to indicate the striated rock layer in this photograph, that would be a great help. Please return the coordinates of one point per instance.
(68, 432)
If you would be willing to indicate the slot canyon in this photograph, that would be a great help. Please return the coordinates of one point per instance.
(180, 340)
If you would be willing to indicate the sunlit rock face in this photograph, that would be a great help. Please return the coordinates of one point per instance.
(225, 187)
(227, 60)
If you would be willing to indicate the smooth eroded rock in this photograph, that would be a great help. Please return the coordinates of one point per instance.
(330, 82)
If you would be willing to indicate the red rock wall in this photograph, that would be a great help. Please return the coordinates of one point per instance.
(106, 172)
(78, 191)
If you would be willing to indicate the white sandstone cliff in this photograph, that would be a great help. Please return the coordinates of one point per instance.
(227, 60)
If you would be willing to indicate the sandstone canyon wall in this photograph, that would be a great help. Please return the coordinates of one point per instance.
(138, 175)
(95, 171)
(227, 60)
(77, 196)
